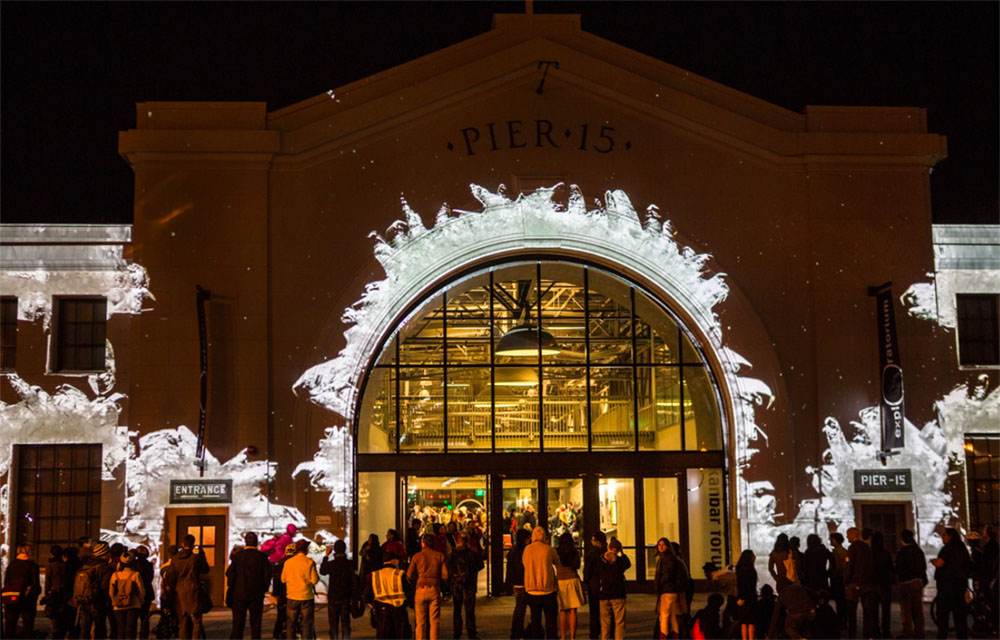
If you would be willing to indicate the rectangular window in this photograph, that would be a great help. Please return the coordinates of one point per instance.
(80, 334)
(8, 333)
(982, 470)
(978, 329)
(58, 493)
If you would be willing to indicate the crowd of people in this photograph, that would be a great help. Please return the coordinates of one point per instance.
(101, 591)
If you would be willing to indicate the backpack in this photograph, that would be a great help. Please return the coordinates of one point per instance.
(86, 586)
(123, 594)
(461, 570)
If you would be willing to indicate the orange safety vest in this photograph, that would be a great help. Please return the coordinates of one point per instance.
(387, 584)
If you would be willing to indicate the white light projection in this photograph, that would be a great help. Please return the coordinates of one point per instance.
(414, 256)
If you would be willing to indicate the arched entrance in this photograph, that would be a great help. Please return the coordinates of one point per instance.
(556, 393)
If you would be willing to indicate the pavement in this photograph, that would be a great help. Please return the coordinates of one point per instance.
(493, 619)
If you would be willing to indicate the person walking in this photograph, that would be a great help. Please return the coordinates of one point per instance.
(127, 594)
(669, 584)
(464, 566)
(540, 584)
(911, 569)
(183, 579)
(746, 594)
(146, 572)
(340, 589)
(952, 577)
(515, 582)
(386, 592)
(614, 564)
(21, 588)
(859, 587)
(249, 575)
(299, 576)
(884, 577)
(90, 592)
(570, 591)
(591, 578)
(426, 571)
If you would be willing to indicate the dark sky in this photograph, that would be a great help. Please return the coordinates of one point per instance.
(71, 73)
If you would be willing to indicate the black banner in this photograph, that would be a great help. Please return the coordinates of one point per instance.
(891, 379)
(203, 295)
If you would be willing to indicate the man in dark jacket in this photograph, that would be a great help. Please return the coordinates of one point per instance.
(859, 579)
(58, 589)
(90, 592)
(413, 537)
(146, 572)
(183, 578)
(515, 582)
(911, 567)
(340, 589)
(952, 577)
(611, 593)
(21, 590)
(591, 580)
(249, 576)
(463, 566)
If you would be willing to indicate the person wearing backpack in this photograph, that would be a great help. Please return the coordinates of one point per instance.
(90, 592)
(340, 589)
(20, 594)
(463, 567)
(127, 594)
(249, 575)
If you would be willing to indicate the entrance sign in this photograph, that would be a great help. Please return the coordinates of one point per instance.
(883, 481)
(201, 491)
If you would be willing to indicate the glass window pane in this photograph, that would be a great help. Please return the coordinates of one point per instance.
(208, 536)
(656, 333)
(617, 508)
(377, 424)
(689, 354)
(516, 410)
(376, 495)
(702, 424)
(468, 321)
(565, 403)
(611, 408)
(520, 506)
(659, 408)
(421, 339)
(563, 311)
(706, 518)
(421, 405)
(662, 516)
(565, 503)
(610, 324)
(515, 306)
(469, 414)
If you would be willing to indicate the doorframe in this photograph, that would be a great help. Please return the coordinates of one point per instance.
(904, 499)
(170, 515)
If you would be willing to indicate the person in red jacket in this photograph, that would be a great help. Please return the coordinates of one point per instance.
(394, 546)
(275, 547)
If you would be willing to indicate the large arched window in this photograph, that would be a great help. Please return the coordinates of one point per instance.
(539, 356)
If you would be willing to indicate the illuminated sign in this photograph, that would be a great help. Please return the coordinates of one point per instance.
(883, 481)
(537, 133)
(201, 491)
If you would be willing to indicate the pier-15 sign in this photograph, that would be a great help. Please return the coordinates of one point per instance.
(535, 133)
(883, 481)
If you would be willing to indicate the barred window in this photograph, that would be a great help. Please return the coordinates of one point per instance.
(8, 333)
(978, 329)
(80, 334)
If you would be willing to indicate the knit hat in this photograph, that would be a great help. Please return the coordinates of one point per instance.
(290, 550)
(100, 549)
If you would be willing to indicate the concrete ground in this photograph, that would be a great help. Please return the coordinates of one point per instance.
(493, 619)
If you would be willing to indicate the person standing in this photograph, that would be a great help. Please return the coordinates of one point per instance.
(395, 546)
(275, 547)
(860, 585)
(781, 563)
(386, 593)
(570, 592)
(340, 589)
(146, 572)
(540, 584)
(817, 565)
(591, 578)
(413, 537)
(90, 592)
(837, 575)
(299, 576)
(911, 568)
(669, 589)
(515, 582)
(427, 570)
(884, 576)
(249, 575)
(612, 570)
(746, 594)
(58, 587)
(464, 566)
(183, 579)
(21, 588)
(127, 595)
(952, 577)
(280, 593)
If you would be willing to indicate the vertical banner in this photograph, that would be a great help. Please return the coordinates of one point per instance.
(892, 373)
(203, 295)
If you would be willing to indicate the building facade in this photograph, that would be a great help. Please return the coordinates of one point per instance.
(540, 276)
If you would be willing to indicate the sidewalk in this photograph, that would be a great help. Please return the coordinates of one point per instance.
(493, 619)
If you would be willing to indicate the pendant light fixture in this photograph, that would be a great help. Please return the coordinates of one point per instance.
(515, 377)
(523, 340)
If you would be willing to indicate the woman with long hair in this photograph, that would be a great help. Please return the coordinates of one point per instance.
(570, 589)
(671, 583)
(781, 563)
(746, 594)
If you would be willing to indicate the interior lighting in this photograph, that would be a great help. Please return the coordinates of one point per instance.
(523, 340)
(515, 377)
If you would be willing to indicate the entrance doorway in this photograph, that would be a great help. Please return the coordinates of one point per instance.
(210, 535)
(889, 518)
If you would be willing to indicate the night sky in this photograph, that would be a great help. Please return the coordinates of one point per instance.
(72, 73)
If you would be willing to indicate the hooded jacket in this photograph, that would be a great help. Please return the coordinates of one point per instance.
(539, 561)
